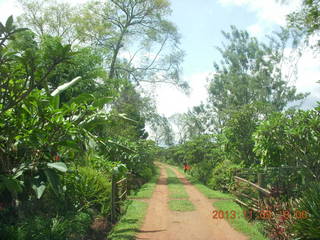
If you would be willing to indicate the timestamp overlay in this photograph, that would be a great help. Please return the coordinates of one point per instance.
(260, 214)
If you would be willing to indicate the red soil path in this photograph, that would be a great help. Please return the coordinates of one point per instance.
(163, 224)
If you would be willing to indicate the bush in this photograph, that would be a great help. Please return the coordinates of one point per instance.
(88, 188)
(308, 228)
(146, 173)
(202, 171)
(290, 139)
(276, 218)
(72, 227)
(221, 177)
(100, 163)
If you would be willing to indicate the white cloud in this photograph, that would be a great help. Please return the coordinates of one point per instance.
(308, 75)
(256, 30)
(270, 11)
(170, 100)
(12, 7)
(8, 8)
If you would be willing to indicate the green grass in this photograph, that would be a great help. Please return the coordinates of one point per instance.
(130, 223)
(147, 189)
(176, 188)
(209, 193)
(212, 194)
(239, 223)
(181, 205)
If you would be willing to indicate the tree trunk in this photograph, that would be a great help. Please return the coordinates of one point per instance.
(115, 54)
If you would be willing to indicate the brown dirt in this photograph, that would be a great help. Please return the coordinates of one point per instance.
(162, 224)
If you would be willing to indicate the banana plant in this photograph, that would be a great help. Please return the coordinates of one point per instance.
(55, 95)
(51, 170)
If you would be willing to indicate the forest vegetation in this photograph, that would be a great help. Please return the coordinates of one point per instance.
(74, 112)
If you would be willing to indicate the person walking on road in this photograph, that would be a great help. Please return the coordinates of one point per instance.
(186, 167)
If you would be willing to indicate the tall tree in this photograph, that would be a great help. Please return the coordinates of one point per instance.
(137, 40)
(306, 21)
(129, 105)
(52, 18)
(249, 72)
(193, 123)
(26, 64)
(162, 131)
(140, 30)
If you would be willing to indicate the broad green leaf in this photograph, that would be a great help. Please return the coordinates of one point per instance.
(94, 123)
(60, 166)
(18, 174)
(9, 23)
(20, 30)
(54, 181)
(12, 185)
(39, 190)
(2, 28)
(82, 98)
(70, 144)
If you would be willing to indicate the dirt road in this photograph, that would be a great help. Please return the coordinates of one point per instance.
(163, 224)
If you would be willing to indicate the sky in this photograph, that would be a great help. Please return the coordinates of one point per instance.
(200, 23)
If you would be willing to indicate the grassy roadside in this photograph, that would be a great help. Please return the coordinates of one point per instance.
(209, 193)
(239, 223)
(147, 189)
(130, 223)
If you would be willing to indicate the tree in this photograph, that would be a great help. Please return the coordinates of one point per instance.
(193, 123)
(49, 18)
(129, 105)
(50, 151)
(237, 134)
(25, 65)
(162, 130)
(32, 126)
(141, 25)
(85, 62)
(250, 72)
(136, 38)
(291, 138)
(307, 19)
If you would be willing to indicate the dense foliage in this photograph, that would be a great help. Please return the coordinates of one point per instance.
(65, 127)
(73, 116)
(248, 127)
(291, 139)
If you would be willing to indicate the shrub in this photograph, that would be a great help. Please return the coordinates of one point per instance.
(309, 228)
(146, 173)
(100, 163)
(11, 232)
(72, 227)
(88, 188)
(290, 139)
(277, 216)
(221, 177)
(202, 171)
